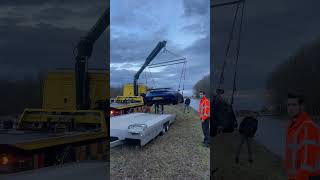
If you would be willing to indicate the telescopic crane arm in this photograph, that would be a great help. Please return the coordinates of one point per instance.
(84, 52)
(151, 56)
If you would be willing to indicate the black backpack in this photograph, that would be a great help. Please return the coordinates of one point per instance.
(187, 101)
(223, 115)
(248, 126)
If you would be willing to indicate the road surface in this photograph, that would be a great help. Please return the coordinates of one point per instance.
(78, 171)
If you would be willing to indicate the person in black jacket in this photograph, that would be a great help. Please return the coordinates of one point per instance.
(247, 130)
(224, 119)
(186, 104)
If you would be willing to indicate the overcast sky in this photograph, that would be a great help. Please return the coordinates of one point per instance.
(273, 30)
(38, 35)
(136, 28)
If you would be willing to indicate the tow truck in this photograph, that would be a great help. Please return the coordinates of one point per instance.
(73, 121)
(128, 103)
(133, 95)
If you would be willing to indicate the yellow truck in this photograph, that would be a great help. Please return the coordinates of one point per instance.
(72, 124)
(134, 94)
(58, 133)
(128, 102)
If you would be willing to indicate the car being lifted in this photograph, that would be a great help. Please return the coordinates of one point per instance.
(163, 96)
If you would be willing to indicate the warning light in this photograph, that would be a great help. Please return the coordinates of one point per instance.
(4, 159)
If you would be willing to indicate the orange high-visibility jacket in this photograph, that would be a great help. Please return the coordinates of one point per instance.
(302, 156)
(204, 108)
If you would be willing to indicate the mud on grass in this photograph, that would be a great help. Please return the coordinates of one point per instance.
(178, 154)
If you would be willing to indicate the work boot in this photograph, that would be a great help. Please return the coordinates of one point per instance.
(205, 144)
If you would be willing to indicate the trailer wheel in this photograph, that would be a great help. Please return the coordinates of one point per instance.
(165, 128)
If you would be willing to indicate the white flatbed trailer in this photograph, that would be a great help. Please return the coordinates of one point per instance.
(138, 126)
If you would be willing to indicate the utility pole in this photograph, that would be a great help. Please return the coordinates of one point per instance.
(212, 5)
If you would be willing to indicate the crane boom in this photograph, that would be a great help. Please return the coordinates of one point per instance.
(84, 52)
(151, 56)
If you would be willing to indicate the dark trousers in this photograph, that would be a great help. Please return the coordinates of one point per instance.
(186, 106)
(206, 130)
(248, 141)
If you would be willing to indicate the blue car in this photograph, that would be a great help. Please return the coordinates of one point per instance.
(163, 96)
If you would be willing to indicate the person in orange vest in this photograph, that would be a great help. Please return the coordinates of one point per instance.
(204, 112)
(302, 156)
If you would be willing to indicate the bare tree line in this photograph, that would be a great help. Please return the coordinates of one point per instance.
(202, 85)
(300, 73)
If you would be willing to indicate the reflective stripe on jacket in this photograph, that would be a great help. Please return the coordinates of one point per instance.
(303, 148)
(204, 108)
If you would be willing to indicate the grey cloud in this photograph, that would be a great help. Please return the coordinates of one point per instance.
(196, 7)
(196, 29)
(200, 46)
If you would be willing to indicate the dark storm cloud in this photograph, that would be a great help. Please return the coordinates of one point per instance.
(53, 13)
(272, 31)
(42, 2)
(200, 46)
(43, 45)
(12, 20)
(38, 35)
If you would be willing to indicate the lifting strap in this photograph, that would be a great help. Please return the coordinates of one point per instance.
(183, 75)
(221, 80)
(179, 60)
(238, 52)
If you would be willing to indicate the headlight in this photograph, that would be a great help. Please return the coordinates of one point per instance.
(137, 128)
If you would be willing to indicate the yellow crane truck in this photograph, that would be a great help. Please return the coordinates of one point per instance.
(128, 102)
(72, 124)
(133, 94)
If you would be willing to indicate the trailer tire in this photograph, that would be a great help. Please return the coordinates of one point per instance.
(165, 128)
(167, 125)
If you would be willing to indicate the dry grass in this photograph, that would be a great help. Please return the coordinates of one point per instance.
(176, 155)
(179, 154)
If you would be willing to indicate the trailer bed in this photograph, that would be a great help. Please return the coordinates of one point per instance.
(153, 123)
